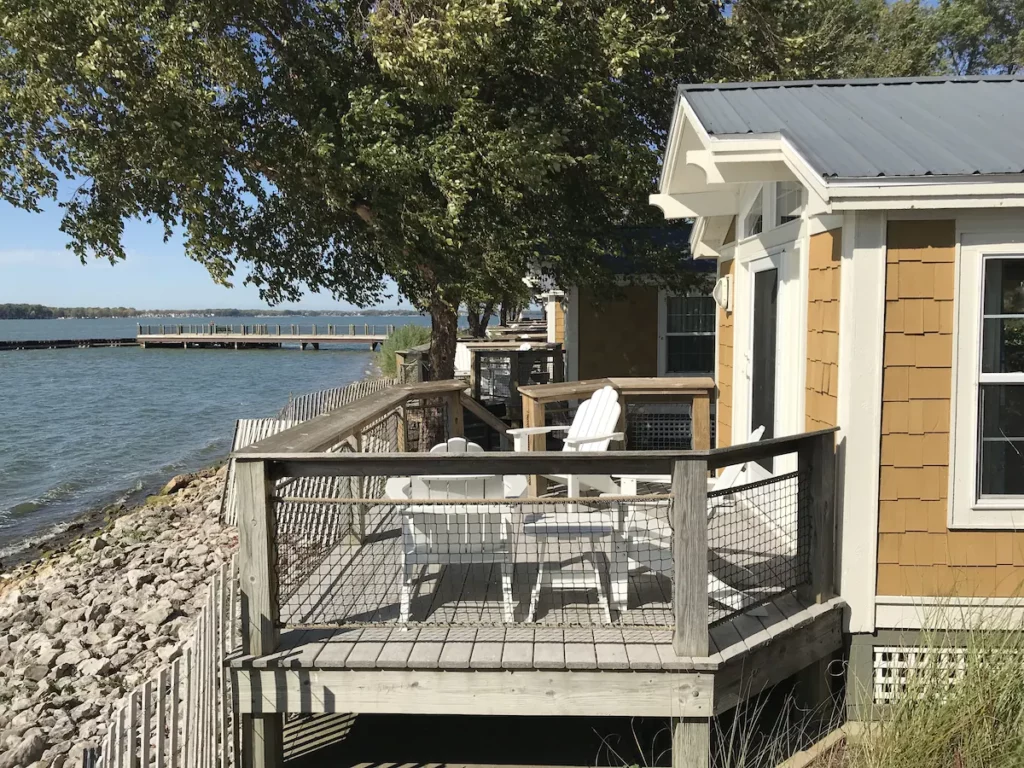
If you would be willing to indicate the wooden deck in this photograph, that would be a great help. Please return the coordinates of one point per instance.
(345, 670)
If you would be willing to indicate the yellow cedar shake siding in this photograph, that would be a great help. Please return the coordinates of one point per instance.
(822, 382)
(917, 553)
(723, 408)
(618, 336)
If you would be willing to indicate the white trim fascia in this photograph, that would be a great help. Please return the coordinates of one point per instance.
(861, 339)
(572, 334)
(675, 134)
(818, 223)
(954, 613)
(769, 241)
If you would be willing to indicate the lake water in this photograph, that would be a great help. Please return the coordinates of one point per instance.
(82, 428)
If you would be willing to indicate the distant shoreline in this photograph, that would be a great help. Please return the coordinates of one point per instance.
(42, 312)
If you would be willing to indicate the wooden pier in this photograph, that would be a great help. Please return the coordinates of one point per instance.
(260, 336)
(65, 343)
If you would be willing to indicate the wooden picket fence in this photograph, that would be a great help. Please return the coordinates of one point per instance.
(314, 404)
(184, 715)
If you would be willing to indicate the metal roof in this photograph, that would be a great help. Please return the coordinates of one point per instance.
(931, 126)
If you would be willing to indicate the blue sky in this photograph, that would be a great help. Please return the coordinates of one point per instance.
(36, 268)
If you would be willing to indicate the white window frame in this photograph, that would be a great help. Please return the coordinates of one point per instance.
(966, 510)
(663, 334)
(769, 215)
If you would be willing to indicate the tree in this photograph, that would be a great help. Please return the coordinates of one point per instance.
(978, 37)
(816, 39)
(326, 144)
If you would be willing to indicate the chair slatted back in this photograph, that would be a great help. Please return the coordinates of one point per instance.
(598, 415)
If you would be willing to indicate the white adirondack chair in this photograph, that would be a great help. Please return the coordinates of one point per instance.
(592, 429)
(652, 547)
(458, 533)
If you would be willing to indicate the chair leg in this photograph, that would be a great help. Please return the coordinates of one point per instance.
(602, 598)
(506, 592)
(542, 553)
(408, 571)
(618, 565)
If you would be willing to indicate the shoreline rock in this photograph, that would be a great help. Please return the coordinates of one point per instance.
(82, 627)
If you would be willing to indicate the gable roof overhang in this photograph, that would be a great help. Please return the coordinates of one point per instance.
(703, 176)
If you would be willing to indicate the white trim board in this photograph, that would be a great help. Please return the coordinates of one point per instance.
(956, 613)
(861, 338)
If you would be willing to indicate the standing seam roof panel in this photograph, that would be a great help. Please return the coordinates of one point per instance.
(866, 129)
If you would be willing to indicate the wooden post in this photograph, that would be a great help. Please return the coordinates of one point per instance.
(691, 737)
(402, 427)
(700, 422)
(262, 735)
(558, 365)
(533, 416)
(816, 517)
(456, 418)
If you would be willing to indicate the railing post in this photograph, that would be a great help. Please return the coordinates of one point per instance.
(700, 422)
(691, 737)
(262, 735)
(816, 517)
(456, 418)
(534, 416)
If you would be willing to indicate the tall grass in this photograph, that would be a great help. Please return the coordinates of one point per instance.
(403, 337)
(960, 710)
(963, 707)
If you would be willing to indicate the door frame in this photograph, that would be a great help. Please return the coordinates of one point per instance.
(791, 340)
(765, 263)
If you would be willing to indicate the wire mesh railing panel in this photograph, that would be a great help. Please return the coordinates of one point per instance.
(662, 426)
(494, 376)
(459, 554)
(759, 536)
(312, 526)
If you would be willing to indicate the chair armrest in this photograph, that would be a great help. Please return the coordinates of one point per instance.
(536, 430)
(594, 438)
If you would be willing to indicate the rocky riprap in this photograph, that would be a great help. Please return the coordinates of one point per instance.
(85, 626)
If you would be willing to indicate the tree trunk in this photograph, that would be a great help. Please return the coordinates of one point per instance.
(478, 317)
(444, 324)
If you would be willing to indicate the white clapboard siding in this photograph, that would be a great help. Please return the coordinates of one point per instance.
(184, 714)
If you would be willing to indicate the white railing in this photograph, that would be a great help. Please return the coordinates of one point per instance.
(183, 716)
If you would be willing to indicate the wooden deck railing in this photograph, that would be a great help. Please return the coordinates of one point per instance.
(264, 471)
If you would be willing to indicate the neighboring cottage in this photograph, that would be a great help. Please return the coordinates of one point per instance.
(870, 248)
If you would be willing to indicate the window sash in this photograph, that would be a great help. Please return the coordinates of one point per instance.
(992, 380)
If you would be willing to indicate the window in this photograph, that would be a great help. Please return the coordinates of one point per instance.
(690, 335)
(1000, 451)
(788, 200)
(987, 416)
(753, 222)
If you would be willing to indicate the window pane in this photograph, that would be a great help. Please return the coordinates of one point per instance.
(1004, 286)
(691, 314)
(788, 197)
(1002, 348)
(753, 222)
(1002, 439)
(691, 354)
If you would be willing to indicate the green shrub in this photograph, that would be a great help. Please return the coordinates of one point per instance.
(403, 337)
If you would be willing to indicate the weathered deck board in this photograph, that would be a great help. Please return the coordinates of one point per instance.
(517, 647)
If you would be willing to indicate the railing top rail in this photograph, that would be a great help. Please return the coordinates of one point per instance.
(322, 432)
(669, 385)
(309, 464)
